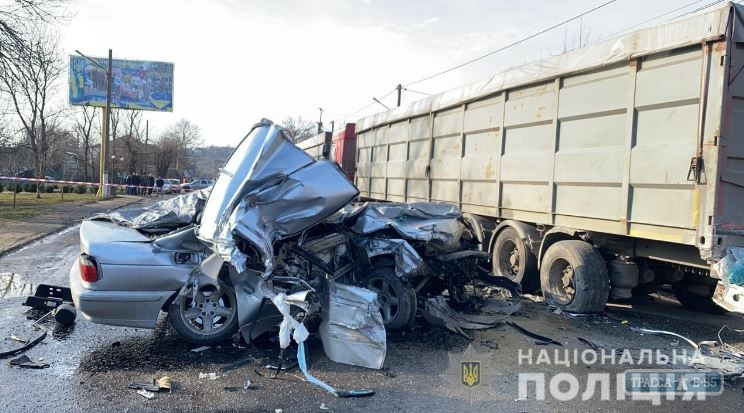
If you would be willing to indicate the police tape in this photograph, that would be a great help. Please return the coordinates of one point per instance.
(68, 183)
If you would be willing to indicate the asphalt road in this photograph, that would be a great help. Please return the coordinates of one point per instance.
(91, 365)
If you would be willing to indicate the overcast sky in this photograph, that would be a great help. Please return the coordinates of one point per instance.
(237, 61)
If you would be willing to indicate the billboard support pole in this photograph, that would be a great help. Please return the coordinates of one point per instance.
(102, 192)
(108, 120)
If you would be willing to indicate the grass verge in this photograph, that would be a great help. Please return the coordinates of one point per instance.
(27, 205)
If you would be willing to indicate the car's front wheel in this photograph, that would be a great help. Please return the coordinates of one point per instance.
(209, 318)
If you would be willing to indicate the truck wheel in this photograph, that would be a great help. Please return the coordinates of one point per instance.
(209, 320)
(697, 294)
(513, 260)
(397, 300)
(573, 277)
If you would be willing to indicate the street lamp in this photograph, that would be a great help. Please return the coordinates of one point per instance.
(106, 120)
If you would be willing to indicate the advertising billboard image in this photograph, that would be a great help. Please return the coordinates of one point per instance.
(136, 84)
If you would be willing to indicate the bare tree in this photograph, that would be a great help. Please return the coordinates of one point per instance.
(166, 154)
(173, 144)
(298, 129)
(17, 16)
(187, 133)
(28, 77)
(83, 126)
(130, 145)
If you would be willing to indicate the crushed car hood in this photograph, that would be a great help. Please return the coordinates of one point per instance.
(269, 189)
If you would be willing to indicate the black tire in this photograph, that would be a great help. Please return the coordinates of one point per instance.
(191, 322)
(697, 294)
(513, 260)
(397, 300)
(573, 277)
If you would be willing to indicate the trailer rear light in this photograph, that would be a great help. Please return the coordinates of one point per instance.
(88, 269)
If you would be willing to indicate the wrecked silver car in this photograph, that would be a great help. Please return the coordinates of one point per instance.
(277, 240)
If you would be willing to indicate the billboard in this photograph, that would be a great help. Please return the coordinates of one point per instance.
(135, 84)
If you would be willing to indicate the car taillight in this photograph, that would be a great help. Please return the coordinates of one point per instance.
(88, 269)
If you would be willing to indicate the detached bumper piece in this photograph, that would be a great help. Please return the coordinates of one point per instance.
(48, 297)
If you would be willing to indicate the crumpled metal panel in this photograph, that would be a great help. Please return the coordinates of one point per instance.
(270, 189)
(407, 260)
(263, 158)
(729, 292)
(435, 223)
(352, 329)
(169, 213)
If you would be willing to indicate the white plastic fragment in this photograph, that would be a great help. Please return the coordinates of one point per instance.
(289, 324)
(210, 376)
(146, 394)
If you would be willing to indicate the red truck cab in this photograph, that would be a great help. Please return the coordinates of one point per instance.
(343, 149)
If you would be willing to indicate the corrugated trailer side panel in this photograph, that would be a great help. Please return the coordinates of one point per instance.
(316, 146)
(606, 150)
(479, 168)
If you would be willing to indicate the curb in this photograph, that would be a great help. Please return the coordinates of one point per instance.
(46, 234)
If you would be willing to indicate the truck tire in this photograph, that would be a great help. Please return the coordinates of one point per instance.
(397, 300)
(573, 277)
(513, 260)
(697, 294)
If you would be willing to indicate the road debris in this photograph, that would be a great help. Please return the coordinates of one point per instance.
(145, 386)
(28, 344)
(164, 383)
(210, 376)
(146, 394)
(725, 327)
(237, 364)
(25, 362)
(248, 385)
(19, 339)
(48, 297)
(65, 314)
(542, 340)
(669, 333)
(200, 349)
(591, 344)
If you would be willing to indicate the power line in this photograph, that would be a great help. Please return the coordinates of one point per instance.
(512, 44)
(698, 9)
(374, 101)
(420, 93)
(651, 19)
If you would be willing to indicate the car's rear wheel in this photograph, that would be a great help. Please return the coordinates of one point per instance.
(209, 318)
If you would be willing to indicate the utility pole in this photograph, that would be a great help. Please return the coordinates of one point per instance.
(108, 117)
(147, 135)
(400, 90)
(320, 121)
(103, 167)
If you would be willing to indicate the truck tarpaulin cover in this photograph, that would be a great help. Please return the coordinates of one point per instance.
(709, 24)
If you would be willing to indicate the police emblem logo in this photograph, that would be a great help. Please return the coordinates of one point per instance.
(470, 373)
